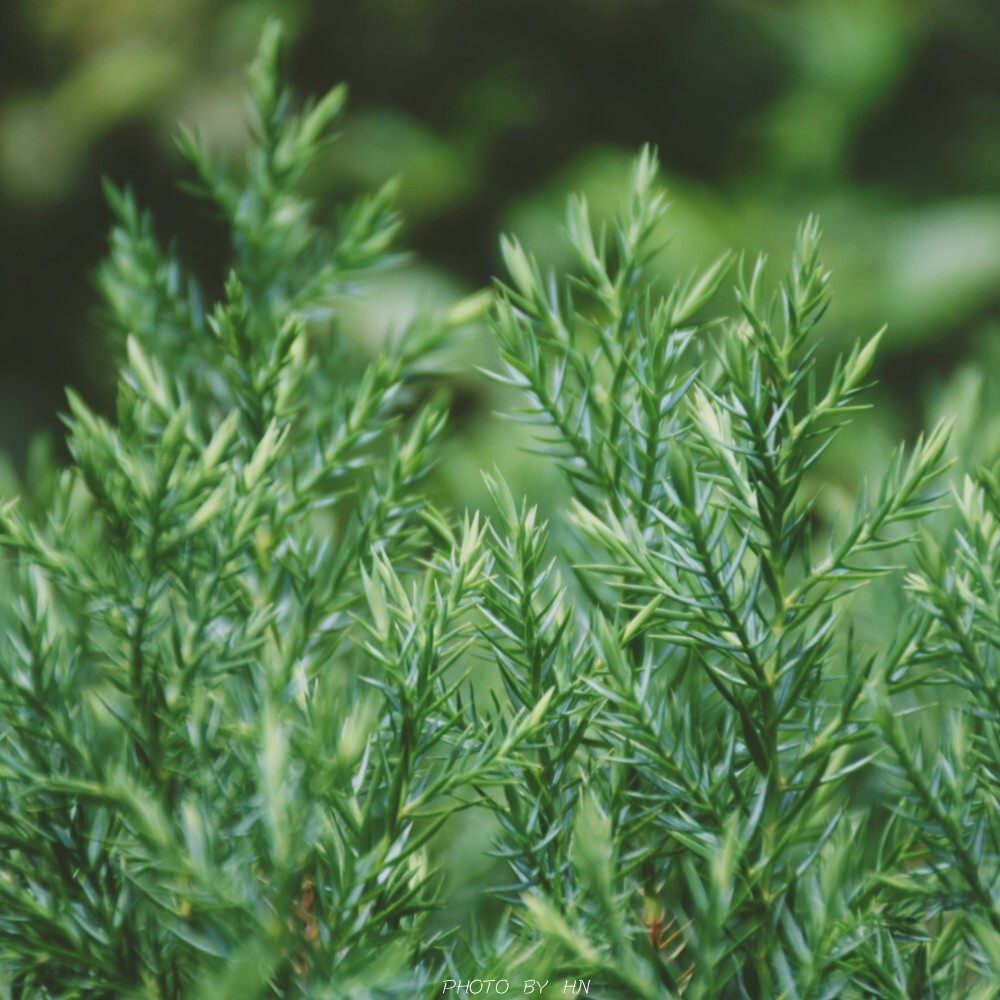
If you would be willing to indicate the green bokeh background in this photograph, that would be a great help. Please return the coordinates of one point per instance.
(881, 115)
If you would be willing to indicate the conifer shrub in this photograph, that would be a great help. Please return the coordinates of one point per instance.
(256, 675)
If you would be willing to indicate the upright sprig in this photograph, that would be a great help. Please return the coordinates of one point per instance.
(538, 650)
(731, 712)
(605, 380)
(949, 788)
(210, 784)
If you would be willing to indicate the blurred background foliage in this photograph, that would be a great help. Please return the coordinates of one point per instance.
(881, 115)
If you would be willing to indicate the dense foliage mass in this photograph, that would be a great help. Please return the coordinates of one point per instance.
(255, 680)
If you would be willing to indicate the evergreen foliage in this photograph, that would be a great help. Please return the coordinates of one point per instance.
(254, 678)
